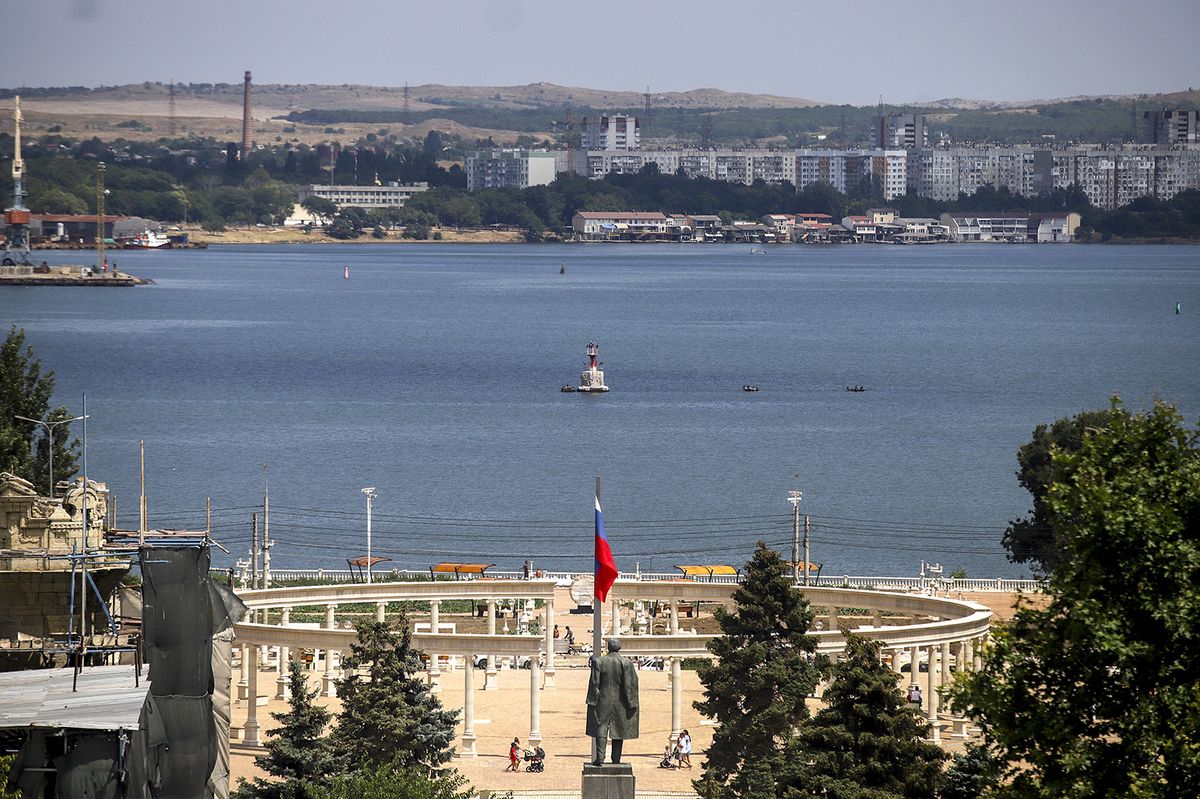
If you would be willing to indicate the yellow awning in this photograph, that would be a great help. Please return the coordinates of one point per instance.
(707, 571)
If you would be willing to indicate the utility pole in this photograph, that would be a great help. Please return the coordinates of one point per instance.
(794, 498)
(142, 496)
(370, 494)
(806, 531)
(253, 550)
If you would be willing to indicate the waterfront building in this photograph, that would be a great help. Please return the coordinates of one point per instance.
(391, 195)
(615, 225)
(510, 168)
(617, 132)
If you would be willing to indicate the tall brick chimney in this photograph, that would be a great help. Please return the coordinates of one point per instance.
(247, 134)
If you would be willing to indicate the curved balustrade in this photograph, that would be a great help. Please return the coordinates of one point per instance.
(941, 629)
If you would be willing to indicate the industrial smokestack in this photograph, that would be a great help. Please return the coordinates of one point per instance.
(246, 133)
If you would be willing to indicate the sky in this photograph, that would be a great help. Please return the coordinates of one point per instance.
(828, 51)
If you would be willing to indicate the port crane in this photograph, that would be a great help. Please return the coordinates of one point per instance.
(16, 218)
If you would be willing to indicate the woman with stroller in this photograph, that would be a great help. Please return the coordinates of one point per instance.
(514, 755)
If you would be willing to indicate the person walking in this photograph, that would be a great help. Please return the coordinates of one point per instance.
(514, 755)
(685, 749)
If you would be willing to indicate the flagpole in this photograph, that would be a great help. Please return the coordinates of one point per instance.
(597, 605)
(597, 633)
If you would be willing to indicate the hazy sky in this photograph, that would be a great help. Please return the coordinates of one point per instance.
(850, 52)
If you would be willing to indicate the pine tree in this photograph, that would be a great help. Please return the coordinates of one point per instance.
(766, 666)
(297, 752)
(24, 391)
(389, 716)
(866, 743)
(971, 774)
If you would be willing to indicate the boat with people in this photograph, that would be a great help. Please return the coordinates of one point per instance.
(749, 388)
(591, 380)
(856, 389)
(567, 388)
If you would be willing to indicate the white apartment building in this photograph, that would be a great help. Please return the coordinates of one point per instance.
(392, 195)
(603, 225)
(846, 169)
(618, 132)
(517, 169)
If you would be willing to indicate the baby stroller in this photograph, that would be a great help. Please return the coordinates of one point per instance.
(535, 761)
(670, 760)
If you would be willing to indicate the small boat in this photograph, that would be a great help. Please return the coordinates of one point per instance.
(749, 388)
(856, 389)
(567, 389)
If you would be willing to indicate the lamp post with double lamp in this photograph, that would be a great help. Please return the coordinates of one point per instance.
(370, 494)
(49, 426)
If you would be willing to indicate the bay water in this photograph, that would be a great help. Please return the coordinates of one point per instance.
(432, 373)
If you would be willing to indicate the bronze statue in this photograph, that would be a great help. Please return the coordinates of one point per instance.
(612, 701)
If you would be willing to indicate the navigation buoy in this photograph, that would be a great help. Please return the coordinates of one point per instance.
(345, 273)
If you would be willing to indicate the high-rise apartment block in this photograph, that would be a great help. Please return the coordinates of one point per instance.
(900, 131)
(618, 132)
(1171, 126)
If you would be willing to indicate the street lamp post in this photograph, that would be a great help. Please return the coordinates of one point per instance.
(49, 426)
(794, 498)
(370, 494)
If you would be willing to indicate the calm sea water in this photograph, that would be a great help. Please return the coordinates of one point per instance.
(433, 375)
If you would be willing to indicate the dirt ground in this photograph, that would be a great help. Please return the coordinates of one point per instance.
(280, 235)
(503, 714)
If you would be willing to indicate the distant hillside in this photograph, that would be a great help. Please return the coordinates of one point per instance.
(693, 118)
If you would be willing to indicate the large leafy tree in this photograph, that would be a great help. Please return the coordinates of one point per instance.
(866, 743)
(389, 715)
(298, 754)
(766, 666)
(25, 391)
(1097, 693)
(1034, 539)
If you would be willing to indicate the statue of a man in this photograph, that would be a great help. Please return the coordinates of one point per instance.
(612, 701)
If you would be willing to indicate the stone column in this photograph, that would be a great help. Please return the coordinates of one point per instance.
(896, 663)
(468, 737)
(242, 685)
(548, 676)
(250, 731)
(877, 618)
(283, 680)
(935, 733)
(676, 699)
(327, 683)
(435, 666)
(914, 665)
(968, 655)
(978, 650)
(535, 704)
(674, 617)
(490, 683)
(616, 617)
(381, 612)
(945, 661)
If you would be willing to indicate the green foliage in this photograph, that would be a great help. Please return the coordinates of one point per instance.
(866, 743)
(6, 764)
(755, 690)
(1096, 694)
(972, 774)
(389, 714)
(321, 207)
(298, 753)
(1147, 218)
(1033, 539)
(397, 782)
(25, 391)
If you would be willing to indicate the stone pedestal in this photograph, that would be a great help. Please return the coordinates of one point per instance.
(608, 781)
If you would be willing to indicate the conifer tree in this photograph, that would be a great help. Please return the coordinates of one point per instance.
(755, 689)
(297, 751)
(866, 743)
(389, 715)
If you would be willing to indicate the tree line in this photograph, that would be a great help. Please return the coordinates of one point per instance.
(209, 184)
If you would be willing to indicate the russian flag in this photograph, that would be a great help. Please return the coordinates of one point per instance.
(606, 569)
